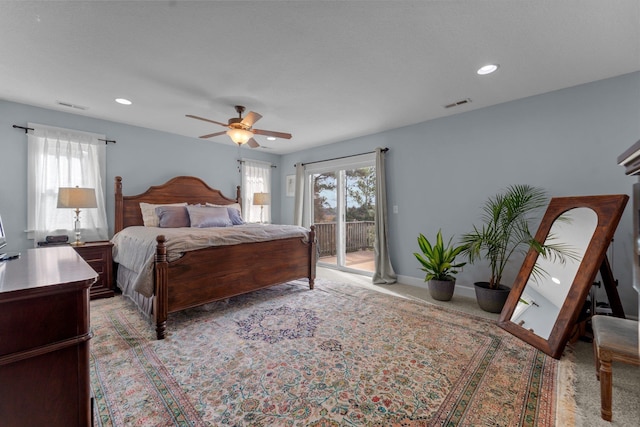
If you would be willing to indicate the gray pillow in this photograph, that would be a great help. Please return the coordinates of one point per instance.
(235, 216)
(172, 216)
(204, 216)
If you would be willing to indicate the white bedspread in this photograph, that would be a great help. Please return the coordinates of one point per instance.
(135, 247)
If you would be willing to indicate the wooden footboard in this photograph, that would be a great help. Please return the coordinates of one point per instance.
(221, 272)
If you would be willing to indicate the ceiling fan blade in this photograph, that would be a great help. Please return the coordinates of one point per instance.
(207, 120)
(211, 135)
(272, 133)
(251, 118)
(253, 143)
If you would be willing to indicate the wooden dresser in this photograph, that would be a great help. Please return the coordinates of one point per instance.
(630, 159)
(44, 339)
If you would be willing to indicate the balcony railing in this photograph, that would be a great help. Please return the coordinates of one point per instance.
(360, 236)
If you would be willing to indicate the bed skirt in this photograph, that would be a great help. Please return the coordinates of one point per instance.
(124, 280)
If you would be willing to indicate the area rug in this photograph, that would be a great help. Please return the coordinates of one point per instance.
(338, 355)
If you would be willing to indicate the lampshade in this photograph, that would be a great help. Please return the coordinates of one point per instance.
(75, 197)
(240, 136)
(261, 199)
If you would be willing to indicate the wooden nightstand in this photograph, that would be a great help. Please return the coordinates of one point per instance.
(98, 256)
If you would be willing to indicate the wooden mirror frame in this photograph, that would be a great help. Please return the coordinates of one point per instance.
(609, 209)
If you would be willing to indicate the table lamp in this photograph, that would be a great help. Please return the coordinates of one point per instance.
(261, 199)
(76, 198)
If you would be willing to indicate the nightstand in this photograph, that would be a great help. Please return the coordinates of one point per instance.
(98, 256)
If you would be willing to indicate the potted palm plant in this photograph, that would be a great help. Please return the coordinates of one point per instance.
(438, 261)
(505, 232)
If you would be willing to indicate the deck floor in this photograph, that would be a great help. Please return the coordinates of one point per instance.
(361, 260)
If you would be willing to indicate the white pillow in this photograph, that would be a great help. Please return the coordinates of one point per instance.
(232, 205)
(149, 216)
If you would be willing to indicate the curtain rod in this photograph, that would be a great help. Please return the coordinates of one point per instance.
(273, 166)
(384, 150)
(106, 141)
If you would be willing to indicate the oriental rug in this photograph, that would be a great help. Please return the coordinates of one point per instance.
(338, 355)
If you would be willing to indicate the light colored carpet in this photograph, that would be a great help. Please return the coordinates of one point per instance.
(626, 378)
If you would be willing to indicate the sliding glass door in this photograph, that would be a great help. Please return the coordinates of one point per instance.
(343, 212)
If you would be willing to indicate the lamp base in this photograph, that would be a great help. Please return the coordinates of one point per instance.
(77, 229)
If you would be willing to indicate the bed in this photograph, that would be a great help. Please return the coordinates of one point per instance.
(185, 278)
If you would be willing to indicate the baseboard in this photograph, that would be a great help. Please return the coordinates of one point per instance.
(461, 290)
(465, 291)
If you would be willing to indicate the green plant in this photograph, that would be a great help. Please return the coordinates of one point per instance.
(438, 260)
(505, 230)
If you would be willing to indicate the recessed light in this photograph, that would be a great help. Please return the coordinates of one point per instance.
(487, 69)
(271, 138)
(123, 101)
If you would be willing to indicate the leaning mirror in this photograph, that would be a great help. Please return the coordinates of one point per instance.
(549, 291)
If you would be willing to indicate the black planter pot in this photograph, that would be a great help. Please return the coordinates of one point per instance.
(441, 290)
(491, 300)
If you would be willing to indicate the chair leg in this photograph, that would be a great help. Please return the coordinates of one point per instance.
(605, 385)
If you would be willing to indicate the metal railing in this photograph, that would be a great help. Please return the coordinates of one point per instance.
(360, 235)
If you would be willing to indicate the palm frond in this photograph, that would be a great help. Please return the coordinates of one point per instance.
(505, 230)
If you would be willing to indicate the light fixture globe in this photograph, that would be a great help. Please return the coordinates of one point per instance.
(240, 136)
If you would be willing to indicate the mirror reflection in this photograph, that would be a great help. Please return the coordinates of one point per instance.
(547, 287)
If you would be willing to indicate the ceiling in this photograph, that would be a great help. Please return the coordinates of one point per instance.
(324, 71)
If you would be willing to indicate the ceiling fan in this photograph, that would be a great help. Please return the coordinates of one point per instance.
(241, 129)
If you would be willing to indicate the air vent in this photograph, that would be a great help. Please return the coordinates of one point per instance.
(458, 103)
(70, 105)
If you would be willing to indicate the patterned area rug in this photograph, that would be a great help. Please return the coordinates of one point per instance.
(339, 355)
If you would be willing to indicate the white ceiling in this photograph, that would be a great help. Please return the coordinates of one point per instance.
(324, 71)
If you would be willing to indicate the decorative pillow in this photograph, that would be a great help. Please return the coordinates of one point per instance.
(207, 216)
(235, 216)
(149, 217)
(172, 216)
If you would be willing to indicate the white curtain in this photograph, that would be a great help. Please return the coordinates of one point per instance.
(299, 196)
(384, 273)
(64, 158)
(256, 178)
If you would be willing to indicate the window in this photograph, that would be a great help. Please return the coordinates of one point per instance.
(64, 158)
(256, 178)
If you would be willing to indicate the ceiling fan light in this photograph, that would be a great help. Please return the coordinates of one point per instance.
(240, 136)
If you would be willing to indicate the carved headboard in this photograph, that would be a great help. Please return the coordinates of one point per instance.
(180, 189)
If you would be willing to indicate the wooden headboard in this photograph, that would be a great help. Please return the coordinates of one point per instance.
(177, 190)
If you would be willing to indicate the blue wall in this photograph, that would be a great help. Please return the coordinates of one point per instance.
(439, 172)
